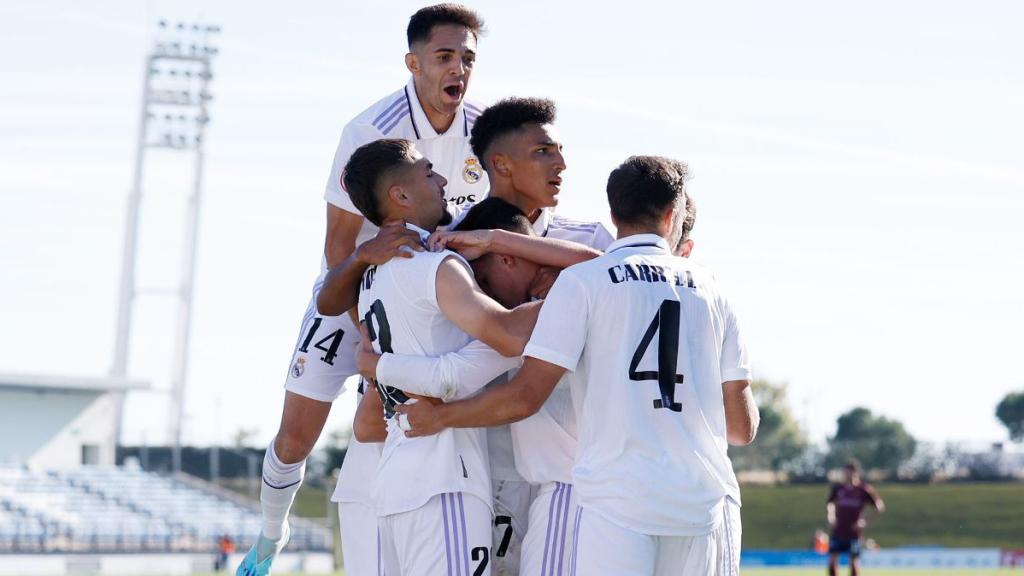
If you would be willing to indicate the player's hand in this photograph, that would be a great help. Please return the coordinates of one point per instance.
(421, 418)
(393, 240)
(543, 281)
(470, 244)
(366, 358)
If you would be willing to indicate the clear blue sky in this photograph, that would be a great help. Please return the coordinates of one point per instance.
(859, 171)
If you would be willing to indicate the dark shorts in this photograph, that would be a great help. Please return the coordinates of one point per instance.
(849, 546)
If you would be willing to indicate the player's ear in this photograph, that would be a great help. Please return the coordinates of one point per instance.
(412, 63)
(501, 164)
(397, 195)
(686, 248)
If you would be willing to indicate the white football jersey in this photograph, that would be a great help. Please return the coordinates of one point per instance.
(399, 115)
(544, 445)
(398, 302)
(649, 341)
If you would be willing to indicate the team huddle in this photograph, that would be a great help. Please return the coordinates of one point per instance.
(537, 397)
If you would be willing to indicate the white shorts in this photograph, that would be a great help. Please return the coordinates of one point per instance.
(450, 534)
(602, 547)
(547, 547)
(360, 542)
(511, 511)
(324, 354)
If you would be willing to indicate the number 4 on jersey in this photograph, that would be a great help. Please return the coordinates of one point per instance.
(667, 319)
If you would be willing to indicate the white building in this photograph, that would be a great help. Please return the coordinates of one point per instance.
(59, 422)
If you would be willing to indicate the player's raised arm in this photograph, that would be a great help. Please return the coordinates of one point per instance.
(477, 314)
(543, 251)
(340, 291)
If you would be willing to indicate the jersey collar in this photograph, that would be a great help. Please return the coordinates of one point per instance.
(421, 125)
(540, 226)
(638, 240)
(423, 233)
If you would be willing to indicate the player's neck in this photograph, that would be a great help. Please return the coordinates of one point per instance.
(625, 230)
(510, 195)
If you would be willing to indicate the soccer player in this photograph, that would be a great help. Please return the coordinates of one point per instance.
(846, 501)
(656, 490)
(520, 149)
(430, 109)
(432, 495)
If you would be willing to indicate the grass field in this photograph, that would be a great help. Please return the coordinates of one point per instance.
(785, 517)
(958, 515)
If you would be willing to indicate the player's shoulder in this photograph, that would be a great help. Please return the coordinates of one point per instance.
(473, 108)
(383, 114)
(590, 232)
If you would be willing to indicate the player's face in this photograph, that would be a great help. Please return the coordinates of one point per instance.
(425, 190)
(536, 163)
(504, 278)
(443, 65)
(850, 475)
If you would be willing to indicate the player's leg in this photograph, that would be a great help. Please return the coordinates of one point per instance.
(324, 357)
(854, 556)
(602, 547)
(450, 534)
(548, 544)
(833, 563)
(360, 539)
(511, 511)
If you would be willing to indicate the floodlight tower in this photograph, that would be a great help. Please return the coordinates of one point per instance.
(174, 116)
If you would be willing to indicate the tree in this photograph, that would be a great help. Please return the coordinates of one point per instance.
(878, 442)
(780, 442)
(1010, 412)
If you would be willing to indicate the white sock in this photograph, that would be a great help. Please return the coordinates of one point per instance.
(277, 492)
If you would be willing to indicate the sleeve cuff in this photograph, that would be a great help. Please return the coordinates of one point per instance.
(549, 355)
(727, 375)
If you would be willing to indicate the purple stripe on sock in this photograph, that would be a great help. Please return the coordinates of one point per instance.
(565, 528)
(465, 538)
(447, 539)
(387, 110)
(547, 536)
(283, 486)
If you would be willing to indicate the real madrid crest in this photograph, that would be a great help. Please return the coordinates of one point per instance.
(299, 367)
(472, 172)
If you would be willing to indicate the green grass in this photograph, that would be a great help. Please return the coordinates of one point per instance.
(956, 515)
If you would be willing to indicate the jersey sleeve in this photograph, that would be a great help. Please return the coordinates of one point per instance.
(561, 329)
(602, 238)
(734, 361)
(352, 137)
(832, 493)
(870, 495)
(452, 376)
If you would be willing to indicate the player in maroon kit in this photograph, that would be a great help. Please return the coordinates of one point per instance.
(845, 503)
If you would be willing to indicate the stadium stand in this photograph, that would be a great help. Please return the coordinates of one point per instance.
(114, 509)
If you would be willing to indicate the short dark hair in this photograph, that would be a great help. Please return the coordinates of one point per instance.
(367, 167)
(506, 117)
(691, 218)
(853, 465)
(496, 214)
(421, 24)
(642, 188)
